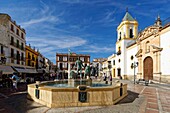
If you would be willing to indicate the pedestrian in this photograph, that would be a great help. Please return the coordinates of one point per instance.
(15, 79)
(105, 77)
(110, 77)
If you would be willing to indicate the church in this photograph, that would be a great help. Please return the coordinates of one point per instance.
(144, 54)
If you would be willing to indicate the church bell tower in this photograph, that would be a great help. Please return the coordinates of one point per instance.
(128, 28)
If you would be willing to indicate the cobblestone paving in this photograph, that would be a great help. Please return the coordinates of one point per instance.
(154, 98)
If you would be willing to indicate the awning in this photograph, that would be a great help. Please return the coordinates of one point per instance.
(6, 69)
(41, 70)
(20, 69)
(30, 70)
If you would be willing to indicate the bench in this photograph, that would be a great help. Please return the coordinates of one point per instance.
(146, 82)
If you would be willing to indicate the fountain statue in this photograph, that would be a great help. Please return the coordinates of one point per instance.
(79, 65)
(87, 71)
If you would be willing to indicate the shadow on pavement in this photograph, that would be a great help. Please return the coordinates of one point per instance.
(18, 103)
(129, 98)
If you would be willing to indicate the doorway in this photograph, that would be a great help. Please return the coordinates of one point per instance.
(148, 68)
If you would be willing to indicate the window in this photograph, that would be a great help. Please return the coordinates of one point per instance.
(82, 59)
(12, 53)
(22, 35)
(70, 59)
(113, 62)
(29, 57)
(147, 47)
(22, 46)
(119, 51)
(29, 62)
(18, 32)
(33, 58)
(131, 33)
(85, 59)
(12, 27)
(65, 65)
(120, 36)
(12, 40)
(65, 58)
(18, 43)
(60, 58)
(2, 50)
(22, 56)
(118, 72)
(61, 66)
(18, 57)
(119, 60)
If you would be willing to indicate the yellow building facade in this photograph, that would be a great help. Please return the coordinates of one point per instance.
(31, 56)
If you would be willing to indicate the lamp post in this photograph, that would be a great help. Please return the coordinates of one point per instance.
(68, 64)
(135, 64)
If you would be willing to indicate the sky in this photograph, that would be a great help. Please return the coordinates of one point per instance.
(83, 26)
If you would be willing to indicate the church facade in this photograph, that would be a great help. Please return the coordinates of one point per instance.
(142, 55)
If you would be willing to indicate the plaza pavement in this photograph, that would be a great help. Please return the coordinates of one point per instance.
(154, 98)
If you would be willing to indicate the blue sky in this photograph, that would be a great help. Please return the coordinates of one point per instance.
(84, 26)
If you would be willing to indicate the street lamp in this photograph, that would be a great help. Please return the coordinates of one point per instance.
(134, 65)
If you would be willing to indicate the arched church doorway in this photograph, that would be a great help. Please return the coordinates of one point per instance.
(148, 68)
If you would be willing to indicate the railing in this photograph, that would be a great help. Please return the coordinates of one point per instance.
(2, 54)
(17, 46)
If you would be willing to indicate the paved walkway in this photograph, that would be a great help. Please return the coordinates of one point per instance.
(154, 98)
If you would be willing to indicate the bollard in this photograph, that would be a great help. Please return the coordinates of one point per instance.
(121, 89)
(37, 91)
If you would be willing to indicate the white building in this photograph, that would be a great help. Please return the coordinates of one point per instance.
(141, 55)
(13, 40)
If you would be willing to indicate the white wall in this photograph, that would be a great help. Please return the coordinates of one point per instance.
(165, 59)
(131, 52)
(122, 57)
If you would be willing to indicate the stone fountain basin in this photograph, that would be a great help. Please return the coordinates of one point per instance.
(69, 96)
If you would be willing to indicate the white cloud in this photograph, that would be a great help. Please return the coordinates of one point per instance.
(59, 42)
(39, 20)
(43, 15)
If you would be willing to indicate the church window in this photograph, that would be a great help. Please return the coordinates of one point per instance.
(131, 33)
(119, 60)
(147, 47)
(120, 36)
(113, 62)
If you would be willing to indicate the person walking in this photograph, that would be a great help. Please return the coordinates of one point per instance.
(15, 79)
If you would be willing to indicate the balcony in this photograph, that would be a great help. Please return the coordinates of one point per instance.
(22, 58)
(3, 60)
(2, 53)
(17, 46)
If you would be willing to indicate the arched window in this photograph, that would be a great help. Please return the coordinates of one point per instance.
(147, 47)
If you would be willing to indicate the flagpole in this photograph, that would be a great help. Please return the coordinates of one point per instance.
(68, 64)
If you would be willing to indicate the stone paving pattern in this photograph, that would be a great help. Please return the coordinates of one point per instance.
(154, 98)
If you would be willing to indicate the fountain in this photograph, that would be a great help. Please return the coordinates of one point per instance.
(76, 92)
